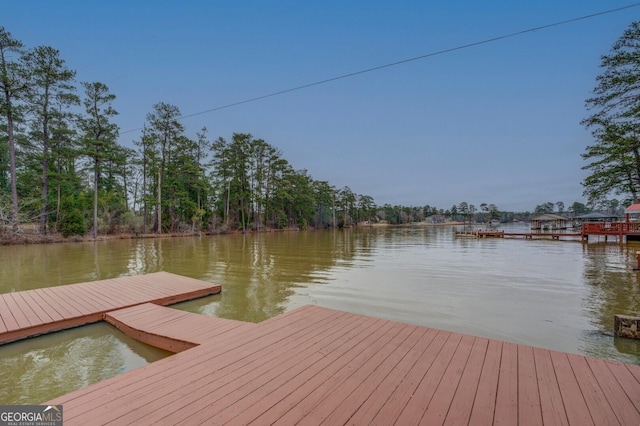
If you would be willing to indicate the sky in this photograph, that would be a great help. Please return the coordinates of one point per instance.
(494, 123)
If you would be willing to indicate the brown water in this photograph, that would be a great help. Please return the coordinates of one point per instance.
(560, 295)
(35, 370)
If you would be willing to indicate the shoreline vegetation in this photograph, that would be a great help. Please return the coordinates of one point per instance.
(56, 238)
(66, 176)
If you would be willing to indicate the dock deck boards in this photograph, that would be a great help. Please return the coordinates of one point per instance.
(170, 329)
(33, 312)
(314, 366)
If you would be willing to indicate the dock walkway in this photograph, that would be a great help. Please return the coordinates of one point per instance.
(618, 230)
(171, 329)
(30, 313)
(528, 235)
(316, 366)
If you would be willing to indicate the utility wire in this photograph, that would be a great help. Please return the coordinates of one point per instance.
(404, 61)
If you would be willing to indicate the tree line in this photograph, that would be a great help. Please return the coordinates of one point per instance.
(614, 158)
(62, 167)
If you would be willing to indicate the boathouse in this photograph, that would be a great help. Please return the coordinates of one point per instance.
(632, 212)
(598, 217)
(549, 221)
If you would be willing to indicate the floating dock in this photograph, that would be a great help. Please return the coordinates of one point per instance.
(616, 230)
(529, 235)
(314, 366)
(30, 313)
(478, 233)
(320, 366)
(170, 329)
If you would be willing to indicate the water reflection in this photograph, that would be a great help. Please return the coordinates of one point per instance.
(39, 369)
(613, 288)
(555, 294)
(259, 272)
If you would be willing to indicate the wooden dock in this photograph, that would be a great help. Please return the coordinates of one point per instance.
(170, 329)
(319, 366)
(30, 313)
(478, 233)
(528, 235)
(616, 230)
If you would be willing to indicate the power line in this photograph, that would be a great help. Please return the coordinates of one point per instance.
(404, 61)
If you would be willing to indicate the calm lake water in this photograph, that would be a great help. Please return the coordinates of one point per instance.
(559, 295)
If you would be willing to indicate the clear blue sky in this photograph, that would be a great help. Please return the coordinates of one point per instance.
(497, 123)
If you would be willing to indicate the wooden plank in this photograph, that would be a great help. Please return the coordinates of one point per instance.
(153, 407)
(167, 284)
(438, 408)
(66, 302)
(369, 409)
(377, 346)
(35, 298)
(393, 407)
(529, 407)
(50, 305)
(64, 305)
(117, 293)
(3, 326)
(619, 401)
(117, 395)
(336, 407)
(314, 365)
(98, 299)
(76, 299)
(258, 375)
(167, 328)
(16, 311)
(8, 319)
(29, 311)
(139, 312)
(415, 408)
(299, 396)
(507, 396)
(484, 403)
(551, 404)
(165, 324)
(462, 402)
(598, 405)
(164, 285)
(80, 300)
(127, 292)
(635, 371)
(627, 381)
(215, 331)
(34, 312)
(576, 408)
(139, 315)
(305, 370)
(202, 333)
(162, 341)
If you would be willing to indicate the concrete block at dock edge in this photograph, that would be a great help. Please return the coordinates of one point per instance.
(627, 326)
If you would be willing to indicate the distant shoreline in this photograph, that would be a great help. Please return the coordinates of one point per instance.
(27, 239)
